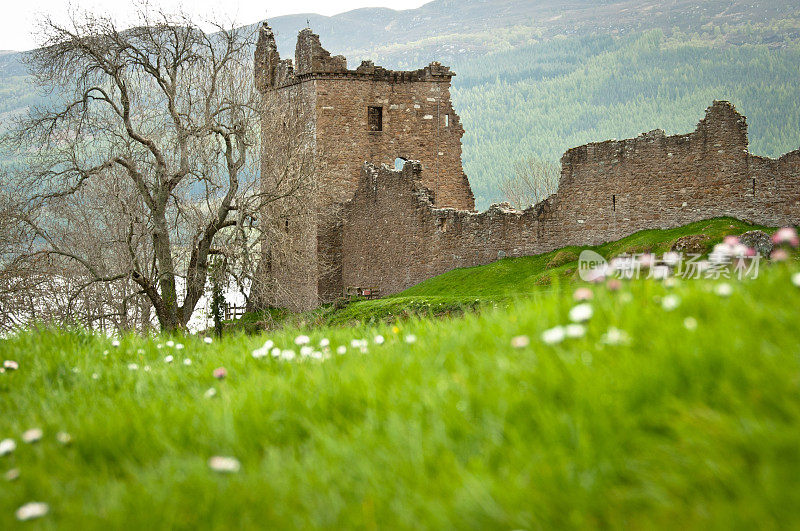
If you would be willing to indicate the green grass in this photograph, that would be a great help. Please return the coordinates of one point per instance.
(677, 428)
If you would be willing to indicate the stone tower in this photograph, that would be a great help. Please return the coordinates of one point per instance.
(320, 123)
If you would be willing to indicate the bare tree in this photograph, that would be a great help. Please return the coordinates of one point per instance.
(534, 180)
(144, 164)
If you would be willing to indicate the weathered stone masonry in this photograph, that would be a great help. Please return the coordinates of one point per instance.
(395, 237)
(415, 120)
(367, 225)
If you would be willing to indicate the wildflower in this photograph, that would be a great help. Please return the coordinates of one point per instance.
(670, 302)
(723, 290)
(395, 330)
(224, 464)
(64, 438)
(276, 352)
(690, 323)
(264, 350)
(170, 343)
(287, 355)
(159, 346)
(554, 335)
(211, 393)
(12, 474)
(796, 279)
(575, 330)
(731, 241)
(615, 336)
(10, 365)
(76, 370)
(147, 368)
(358, 343)
(341, 349)
(614, 284)
(207, 340)
(133, 367)
(33, 435)
(580, 313)
(140, 351)
(32, 510)
(178, 346)
(520, 341)
(7, 446)
(168, 359)
(379, 339)
(301, 340)
(670, 282)
(105, 353)
(779, 255)
(95, 376)
(583, 294)
(721, 254)
(786, 235)
(411, 338)
(324, 342)
(115, 343)
(306, 351)
(187, 362)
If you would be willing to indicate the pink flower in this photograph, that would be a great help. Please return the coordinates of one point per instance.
(614, 284)
(779, 255)
(731, 241)
(583, 294)
(646, 260)
(786, 235)
(220, 373)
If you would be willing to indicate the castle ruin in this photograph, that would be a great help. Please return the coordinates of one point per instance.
(367, 224)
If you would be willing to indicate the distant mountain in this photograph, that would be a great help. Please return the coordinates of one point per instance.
(536, 77)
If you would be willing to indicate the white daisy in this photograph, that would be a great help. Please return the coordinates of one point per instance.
(670, 302)
(690, 323)
(187, 362)
(581, 312)
(575, 330)
(520, 341)
(379, 339)
(7, 446)
(723, 290)
(32, 510)
(324, 342)
(553, 335)
(341, 349)
(411, 338)
(33, 435)
(207, 340)
(796, 279)
(302, 340)
(224, 464)
(168, 359)
(133, 367)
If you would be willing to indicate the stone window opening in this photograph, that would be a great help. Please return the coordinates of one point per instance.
(447, 120)
(374, 118)
(286, 225)
(754, 187)
(399, 162)
(614, 203)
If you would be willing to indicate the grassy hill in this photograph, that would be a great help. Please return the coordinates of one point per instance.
(671, 407)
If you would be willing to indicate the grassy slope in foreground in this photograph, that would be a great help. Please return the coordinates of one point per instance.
(513, 277)
(679, 427)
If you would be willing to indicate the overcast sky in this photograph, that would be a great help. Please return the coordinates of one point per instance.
(18, 20)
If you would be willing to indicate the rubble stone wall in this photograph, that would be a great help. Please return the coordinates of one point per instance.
(395, 237)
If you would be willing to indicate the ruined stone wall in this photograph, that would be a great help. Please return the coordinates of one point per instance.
(417, 122)
(394, 237)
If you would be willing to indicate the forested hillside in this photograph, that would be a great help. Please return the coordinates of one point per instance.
(542, 99)
(536, 78)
